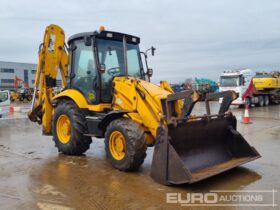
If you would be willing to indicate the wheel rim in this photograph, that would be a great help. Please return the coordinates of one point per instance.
(117, 145)
(63, 129)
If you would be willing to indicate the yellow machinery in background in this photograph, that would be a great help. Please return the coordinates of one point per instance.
(107, 94)
(267, 81)
(21, 91)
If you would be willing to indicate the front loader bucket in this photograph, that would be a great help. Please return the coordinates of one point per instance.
(197, 149)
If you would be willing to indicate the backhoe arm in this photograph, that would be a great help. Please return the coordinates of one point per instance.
(52, 56)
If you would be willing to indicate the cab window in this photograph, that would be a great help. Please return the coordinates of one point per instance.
(84, 68)
(3, 96)
(110, 54)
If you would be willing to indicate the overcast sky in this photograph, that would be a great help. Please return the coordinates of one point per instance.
(197, 38)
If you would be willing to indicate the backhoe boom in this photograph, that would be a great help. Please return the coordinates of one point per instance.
(53, 56)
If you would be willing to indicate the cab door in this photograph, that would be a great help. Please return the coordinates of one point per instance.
(110, 54)
(84, 72)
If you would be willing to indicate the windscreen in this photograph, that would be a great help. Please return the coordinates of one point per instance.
(230, 81)
(110, 53)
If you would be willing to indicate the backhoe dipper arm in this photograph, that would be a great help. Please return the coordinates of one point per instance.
(52, 56)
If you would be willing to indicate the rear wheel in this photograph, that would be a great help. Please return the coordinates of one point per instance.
(69, 128)
(260, 101)
(29, 98)
(266, 100)
(125, 144)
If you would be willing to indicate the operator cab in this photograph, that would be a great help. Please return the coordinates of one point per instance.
(98, 57)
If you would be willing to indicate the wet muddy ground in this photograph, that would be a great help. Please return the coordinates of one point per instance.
(34, 176)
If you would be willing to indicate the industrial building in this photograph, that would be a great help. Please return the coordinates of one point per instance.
(9, 70)
(24, 71)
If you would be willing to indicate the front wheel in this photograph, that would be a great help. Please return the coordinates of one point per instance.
(125, 144)
(69, 127)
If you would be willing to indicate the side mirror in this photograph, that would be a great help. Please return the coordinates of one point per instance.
(150, 72)
(102, 68)
(153, 50)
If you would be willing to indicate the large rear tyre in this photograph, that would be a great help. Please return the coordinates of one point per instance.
(266, 100)
(68, 127)
(260, 101)
(125, 144)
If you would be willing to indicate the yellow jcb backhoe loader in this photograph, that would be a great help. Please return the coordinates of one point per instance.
(108, 95)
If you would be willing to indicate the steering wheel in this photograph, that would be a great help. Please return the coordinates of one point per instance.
(114, 71)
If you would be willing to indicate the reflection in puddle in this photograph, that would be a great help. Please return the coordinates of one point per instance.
(90, 183)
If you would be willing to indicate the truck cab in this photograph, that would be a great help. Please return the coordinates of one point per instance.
(98, 58)
(238, 81)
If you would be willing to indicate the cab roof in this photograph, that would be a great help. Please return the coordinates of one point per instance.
(111, 35)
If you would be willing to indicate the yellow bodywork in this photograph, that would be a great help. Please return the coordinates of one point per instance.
(142, 100)
(262, 83)
(14, 96)
(80, 100)
(52, 57)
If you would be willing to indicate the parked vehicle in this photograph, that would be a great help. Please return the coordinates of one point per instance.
(259, 89)
(4, 102)
(116, 101)
(22, 91)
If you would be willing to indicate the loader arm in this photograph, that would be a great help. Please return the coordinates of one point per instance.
(143, 101)
(52, 56)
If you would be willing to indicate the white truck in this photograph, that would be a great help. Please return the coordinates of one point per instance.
(4, 103)
(244, 82)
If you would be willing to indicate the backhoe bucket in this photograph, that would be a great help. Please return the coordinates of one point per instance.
(190, 151)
